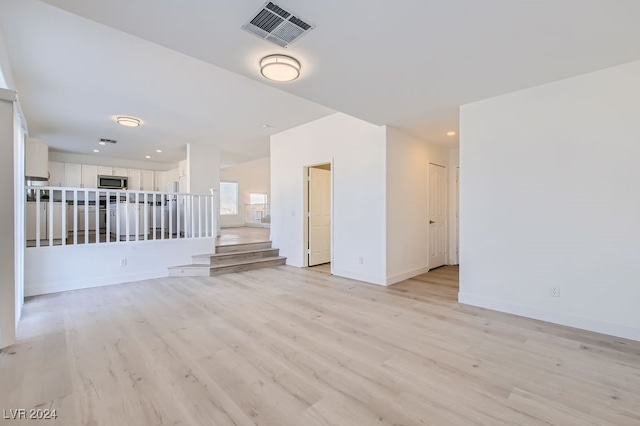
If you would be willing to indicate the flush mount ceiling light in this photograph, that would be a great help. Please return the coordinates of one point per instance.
(128, 121)
(280, 68)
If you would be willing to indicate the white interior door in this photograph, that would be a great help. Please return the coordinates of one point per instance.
(319, 216)
(437, 215)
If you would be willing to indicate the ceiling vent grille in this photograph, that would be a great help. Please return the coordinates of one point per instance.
(107, 140)
(277, 25)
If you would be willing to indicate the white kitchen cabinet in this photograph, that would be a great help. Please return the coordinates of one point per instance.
(37, 158)
(89, 176)
(171, 176)
(69, 219)
(105, 171)
(147, 180)
(56, 174)
(91, 211)
(131, 212)
(118, 171)
(32, 220)
(160, 179)
(57, 220)
(73, 175)
(134, 179)
(184, 186)
(182, 168)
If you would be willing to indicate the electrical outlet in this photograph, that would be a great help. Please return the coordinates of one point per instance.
(554, 292)
(123, 261)
(361, 260)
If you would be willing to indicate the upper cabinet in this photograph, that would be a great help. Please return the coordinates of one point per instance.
(105, 171)
(118, 171)
(56, 174)
(134, 179)
(182, 168)
(147, 180)
(89, 176)
(80, 176)
(37, 159)
(86, 176)
(73, 175)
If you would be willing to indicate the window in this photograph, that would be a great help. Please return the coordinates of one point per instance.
(257, 198)
(228, 198)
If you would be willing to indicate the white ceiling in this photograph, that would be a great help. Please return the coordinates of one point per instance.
(74, 76)
(408, 63)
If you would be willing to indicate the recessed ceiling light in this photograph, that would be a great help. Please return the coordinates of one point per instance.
(280, 68)
(158, 150)
(451, 133)
(102, 143)
(147, 156)
(128, 121)
(96, 150)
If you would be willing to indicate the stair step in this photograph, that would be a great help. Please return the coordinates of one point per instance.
(226, 258)
(239, 266)
(234, 248)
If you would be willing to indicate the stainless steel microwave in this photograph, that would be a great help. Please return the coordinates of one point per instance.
(112, 182)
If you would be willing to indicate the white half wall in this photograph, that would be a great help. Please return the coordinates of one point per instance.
(357, 149)
(252, 176)
(407, 177)
(73, 267)
(550, 198)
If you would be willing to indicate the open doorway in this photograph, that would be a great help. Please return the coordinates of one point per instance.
(437, 216)
(319, 220)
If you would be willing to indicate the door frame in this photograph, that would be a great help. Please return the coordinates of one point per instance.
(305, 210)
(446, 214)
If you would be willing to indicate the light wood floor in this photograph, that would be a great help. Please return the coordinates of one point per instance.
(288, 346)
(242, 235)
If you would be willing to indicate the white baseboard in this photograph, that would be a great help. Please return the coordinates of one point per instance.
(359, 277)
(57, 287)
(406, 275)
(549, 316)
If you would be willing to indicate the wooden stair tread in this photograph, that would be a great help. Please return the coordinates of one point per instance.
(245, 262)
(233, 253)
(242, 244)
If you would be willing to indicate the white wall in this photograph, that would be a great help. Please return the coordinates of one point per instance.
(203, 167)
(62, 157)
(407, 177)
(6, 76)
(11, 153)
(252, 176)
(63, 268)
(550, 197)
(357, 149)
(454, 165)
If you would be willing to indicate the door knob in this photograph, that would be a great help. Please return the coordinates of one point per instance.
(431, 222)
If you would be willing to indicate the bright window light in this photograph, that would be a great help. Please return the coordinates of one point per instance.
(228, 198)
(257, 198)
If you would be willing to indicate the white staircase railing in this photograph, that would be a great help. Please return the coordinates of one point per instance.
(71, 216)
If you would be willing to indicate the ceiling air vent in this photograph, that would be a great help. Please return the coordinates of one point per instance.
(107, 140)
(277, 25)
